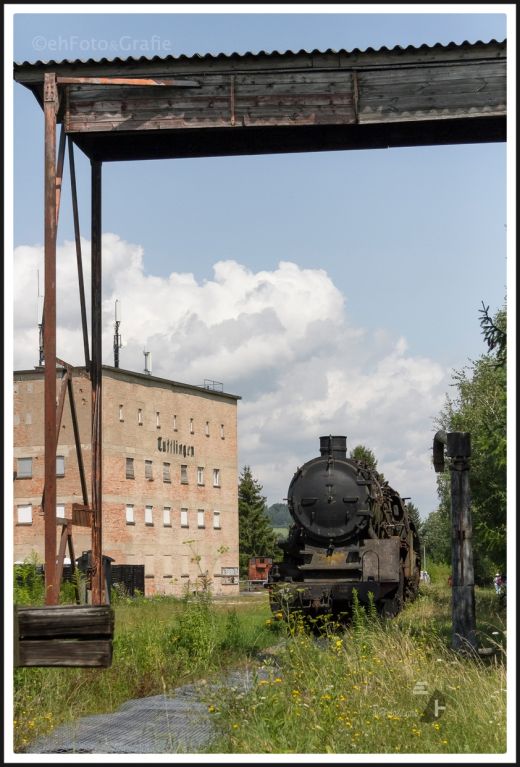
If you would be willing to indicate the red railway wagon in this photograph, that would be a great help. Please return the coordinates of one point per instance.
(259, 568)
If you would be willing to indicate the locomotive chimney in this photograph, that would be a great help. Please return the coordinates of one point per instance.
(334, 446)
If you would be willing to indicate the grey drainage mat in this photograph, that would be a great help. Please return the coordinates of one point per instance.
(162, 724)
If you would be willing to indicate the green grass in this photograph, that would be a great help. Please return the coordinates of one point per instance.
(352, 692)
(159, 644)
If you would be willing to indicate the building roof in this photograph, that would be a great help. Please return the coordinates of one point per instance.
(141, 378)
(177, 106)
(251, 54)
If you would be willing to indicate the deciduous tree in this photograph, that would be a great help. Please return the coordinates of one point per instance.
(479, 406)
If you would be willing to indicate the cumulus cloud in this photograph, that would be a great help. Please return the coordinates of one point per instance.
(281, 339)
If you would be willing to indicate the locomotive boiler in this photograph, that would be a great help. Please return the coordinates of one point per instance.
(351, 531)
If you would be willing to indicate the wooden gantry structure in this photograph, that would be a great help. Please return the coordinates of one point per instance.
(231, 104)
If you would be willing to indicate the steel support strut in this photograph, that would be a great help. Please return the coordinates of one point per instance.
(79, 259)
(95, 377)
(49, 339)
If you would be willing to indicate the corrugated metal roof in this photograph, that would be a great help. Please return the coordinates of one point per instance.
(250, 54)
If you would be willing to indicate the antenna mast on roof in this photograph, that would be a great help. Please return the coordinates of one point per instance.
(40, 324)
(147, 362)
(118, 343)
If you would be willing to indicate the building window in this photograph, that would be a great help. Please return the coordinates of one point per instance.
(207, 429)
(60, 511)
(148, 470)
(130, 474)
(192, 431)
(121, 417)
(200, 518)
(200, 475)
(166, 472)
(184, 474)
(167, 519)
(158, 420)
(130, 520)
(221, 431)
(25, 514)
(148, 515)
(184, 518)
(216, 520)
(216, 477)
(140, 417)
(24, 468)
(174, 423)
(60, 466)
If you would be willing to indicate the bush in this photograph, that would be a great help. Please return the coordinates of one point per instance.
(29, 583)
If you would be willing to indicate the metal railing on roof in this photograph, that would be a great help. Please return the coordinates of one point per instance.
(213, 385)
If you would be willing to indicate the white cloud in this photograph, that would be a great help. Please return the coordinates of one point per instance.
(280, 339)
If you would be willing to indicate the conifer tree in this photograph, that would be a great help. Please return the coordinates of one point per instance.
(256, 536)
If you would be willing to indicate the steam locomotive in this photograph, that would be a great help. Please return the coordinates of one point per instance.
(351, 531)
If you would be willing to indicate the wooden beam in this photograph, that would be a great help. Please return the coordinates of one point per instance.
(140, 82)
(65, 621)
(117, 146)
(68, 653)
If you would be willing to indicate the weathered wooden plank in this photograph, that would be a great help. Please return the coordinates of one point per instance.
(81, 515)
(431, 103)
(208, 116)
(467, 88)
(59, 621)
(65, 652)
(214, 88)
(222, 101)
(446, 71)
(279, 100)
(244, 120)
(423, 111)
(292, 98)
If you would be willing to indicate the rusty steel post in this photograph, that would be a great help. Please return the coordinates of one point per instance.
(95, 377)
(77, 440)
(50, 97)
(59, 172)
(79, 259)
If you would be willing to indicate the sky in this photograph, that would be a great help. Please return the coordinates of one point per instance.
(335, 292)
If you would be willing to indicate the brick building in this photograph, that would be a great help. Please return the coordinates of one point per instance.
(169, 476)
